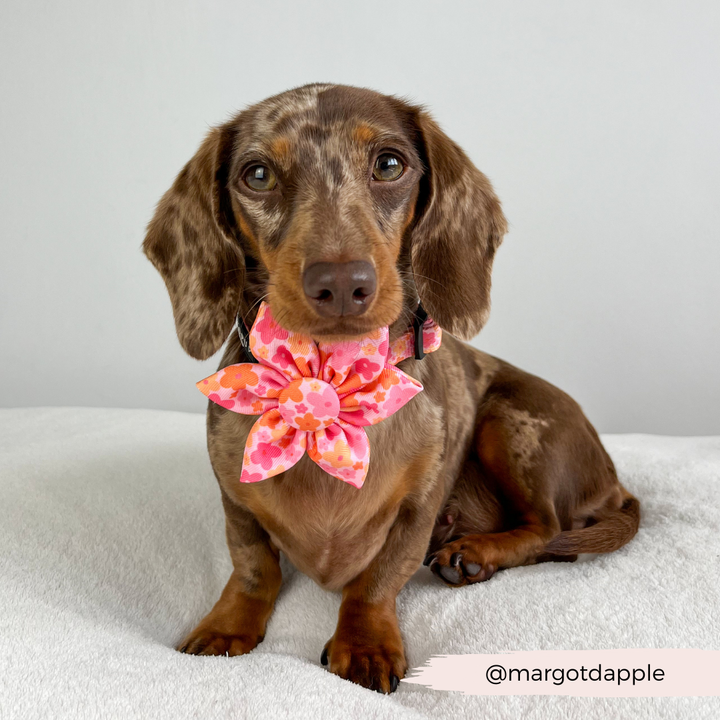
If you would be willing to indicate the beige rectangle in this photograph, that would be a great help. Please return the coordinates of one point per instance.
(588, 673)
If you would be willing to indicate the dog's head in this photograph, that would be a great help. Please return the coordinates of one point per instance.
(340, 206)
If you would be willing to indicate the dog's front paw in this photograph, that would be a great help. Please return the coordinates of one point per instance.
(377, 668)
(367, 650)
(208, 642)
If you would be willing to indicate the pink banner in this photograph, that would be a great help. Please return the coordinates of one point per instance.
(589, 673)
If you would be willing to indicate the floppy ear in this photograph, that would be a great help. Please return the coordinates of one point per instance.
(459, 228)
(191, 241)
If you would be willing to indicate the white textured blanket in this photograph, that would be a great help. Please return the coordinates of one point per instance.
(112, 547)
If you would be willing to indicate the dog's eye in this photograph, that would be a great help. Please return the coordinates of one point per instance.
(388, 167)
(261, 178)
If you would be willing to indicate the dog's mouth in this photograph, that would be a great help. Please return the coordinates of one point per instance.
(297, 317)
(345, 331)
(330, 329)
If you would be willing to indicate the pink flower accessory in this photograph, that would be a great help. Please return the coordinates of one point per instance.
(315, 397)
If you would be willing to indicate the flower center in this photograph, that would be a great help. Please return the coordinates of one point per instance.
(309, 404)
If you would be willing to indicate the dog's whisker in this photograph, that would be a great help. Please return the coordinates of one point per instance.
(246, 314)
(425, 277)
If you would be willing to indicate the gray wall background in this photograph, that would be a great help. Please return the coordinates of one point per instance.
(597, 122)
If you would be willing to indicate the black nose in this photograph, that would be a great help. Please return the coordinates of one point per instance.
(337, 289)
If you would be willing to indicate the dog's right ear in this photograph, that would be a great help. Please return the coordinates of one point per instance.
(191, 241)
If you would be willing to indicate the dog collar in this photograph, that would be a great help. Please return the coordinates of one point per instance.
(418, 321)
(317, 397)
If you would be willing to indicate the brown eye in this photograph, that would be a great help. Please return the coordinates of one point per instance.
(388, 167)
(260, 178)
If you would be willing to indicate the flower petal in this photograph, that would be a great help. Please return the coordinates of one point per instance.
(244, 388)
(380, 399)
(341, 450)
(292, 354)
(349, 365)
(272, 447)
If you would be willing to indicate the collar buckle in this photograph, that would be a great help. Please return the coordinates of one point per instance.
(418, 321)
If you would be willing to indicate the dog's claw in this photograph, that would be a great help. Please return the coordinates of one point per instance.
(394, 681)
(428, 559)
(455, 559)
(324, 657)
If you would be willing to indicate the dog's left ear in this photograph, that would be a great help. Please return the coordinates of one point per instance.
(459, 226)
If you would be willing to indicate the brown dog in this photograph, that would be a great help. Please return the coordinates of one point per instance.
(343, 208)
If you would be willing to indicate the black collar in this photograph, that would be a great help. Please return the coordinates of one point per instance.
(419, 318)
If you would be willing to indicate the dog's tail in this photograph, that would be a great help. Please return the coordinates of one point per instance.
(612, 532)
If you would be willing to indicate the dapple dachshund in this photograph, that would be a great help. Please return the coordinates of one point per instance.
(344, 209)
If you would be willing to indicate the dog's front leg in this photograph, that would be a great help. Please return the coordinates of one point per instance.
(237, 622)
(367, 647)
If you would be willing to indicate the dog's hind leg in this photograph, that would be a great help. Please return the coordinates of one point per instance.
(537, 485)
(472, 552)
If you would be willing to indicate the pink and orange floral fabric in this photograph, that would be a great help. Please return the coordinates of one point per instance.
(315, 397)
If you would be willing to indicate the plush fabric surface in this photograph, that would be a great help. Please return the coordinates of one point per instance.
(112, 547)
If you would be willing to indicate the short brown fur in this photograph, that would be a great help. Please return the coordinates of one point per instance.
(488, 468)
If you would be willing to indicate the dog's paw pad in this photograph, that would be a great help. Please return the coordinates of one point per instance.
(450, 574)
(477, 573)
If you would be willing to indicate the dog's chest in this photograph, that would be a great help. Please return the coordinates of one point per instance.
(328, 529)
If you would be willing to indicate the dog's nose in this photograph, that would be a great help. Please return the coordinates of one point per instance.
(337, 289)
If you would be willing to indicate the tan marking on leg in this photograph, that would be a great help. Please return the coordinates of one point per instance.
(237, 622)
